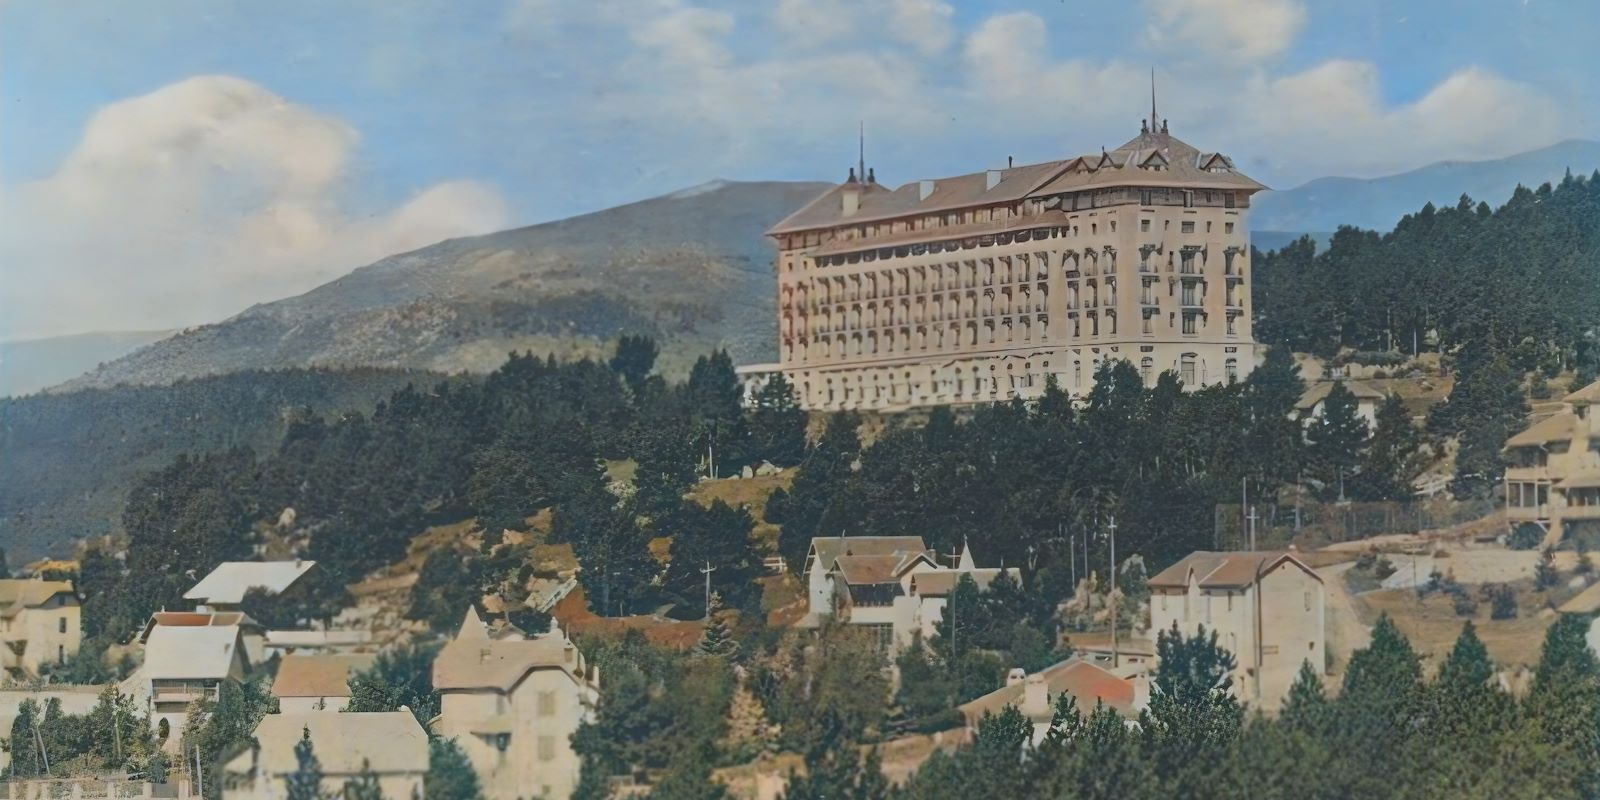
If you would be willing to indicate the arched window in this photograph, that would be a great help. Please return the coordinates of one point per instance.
(1147, 366)
(1230, 368)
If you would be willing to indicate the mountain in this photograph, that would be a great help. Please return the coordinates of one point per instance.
(28, 365)
(690, 268)
(1378, 203)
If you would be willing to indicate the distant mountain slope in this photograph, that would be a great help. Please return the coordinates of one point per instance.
(1378, 203)
(691, 268)
(68, 459)
(28, 365)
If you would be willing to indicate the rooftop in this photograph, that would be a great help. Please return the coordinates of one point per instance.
(197, 652)
(17, 594)
(1560, 427)
(1176, 163)
(385, 741)
(318, 675)
(1088, 683)
(829, 548)
(229, 582)
(470, 662)
(1229, 570)
(943, 582)
(1317, 392)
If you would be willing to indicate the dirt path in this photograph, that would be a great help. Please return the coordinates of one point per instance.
(1345, 631)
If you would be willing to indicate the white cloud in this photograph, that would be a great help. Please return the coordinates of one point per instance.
(191, 202)
(1223, 31)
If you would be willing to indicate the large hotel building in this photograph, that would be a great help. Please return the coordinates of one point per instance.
(974, 288)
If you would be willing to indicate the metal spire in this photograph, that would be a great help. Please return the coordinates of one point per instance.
(1153, 124)
(861, 150)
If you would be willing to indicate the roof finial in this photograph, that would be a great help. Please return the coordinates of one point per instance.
(1153, 124)
(861, 149)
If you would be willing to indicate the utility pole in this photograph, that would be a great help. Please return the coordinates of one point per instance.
(1111, 529)
(1252, 528)
(707, 570)
(1244, 502)
(1072, 550)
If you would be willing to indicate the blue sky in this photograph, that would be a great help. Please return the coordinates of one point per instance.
(165, 164)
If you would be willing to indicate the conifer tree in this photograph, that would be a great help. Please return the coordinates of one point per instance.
(364, 786)
(1391, 462)
(778, 424)
(305, 783)
(715, 640)
(450, 775)
(1306, 706)
(1335, 440)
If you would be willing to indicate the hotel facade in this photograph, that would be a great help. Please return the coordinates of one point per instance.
(976, 288)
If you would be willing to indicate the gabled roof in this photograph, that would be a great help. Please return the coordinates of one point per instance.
(1228, 570)
(1319, 391)
(943, 582)
(194, 652)
(1554, 428)
(229, 582)
(957, 191)
(1580, 480)
(1589, 394)
(387, 742)
(866, 570)
(198, 619)
(17, 594)
(1088, 683)
(500, 664)
(827, 549)
(318, 675)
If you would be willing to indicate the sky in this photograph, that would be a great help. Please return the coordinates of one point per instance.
(165, 164)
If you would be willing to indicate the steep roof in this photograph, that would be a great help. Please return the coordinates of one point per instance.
(196, 652)
(1229, 570)
(229, 582)
(1584, 602)
(1088, 683)
(318, 675)
(17, 594)
(1181, 165)
(1317, 392)
(500, 664)
(198, 619)
(943, 582)
(1581, 480)
(827, 549)
(1589, 394)
(384, 741)
(1554, 428)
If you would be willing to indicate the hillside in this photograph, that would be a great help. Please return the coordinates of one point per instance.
(690, 268)
(69, 458)
(29, 365)
(1378, 203)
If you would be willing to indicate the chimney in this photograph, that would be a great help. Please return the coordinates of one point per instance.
(992, 179)
(1035, 697)
(924, 189)
(1015, 676)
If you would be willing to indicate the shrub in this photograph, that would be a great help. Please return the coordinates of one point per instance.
(1379, 374)
(1466, 606)
(1502, 603)
(1525, 536)
(1383, 569)
(1374, 358)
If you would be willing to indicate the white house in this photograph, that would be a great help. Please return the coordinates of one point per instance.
(891, 585)
(187, 657)
(513, 703)
(391, 744)
(307, 683)
(1035, 695)
(1266, 607)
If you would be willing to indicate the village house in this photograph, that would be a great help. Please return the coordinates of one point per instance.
(890, 585)
(1309, 407)
(188, 656)
(224, 588)
(391, 744)
(1266, 608)
(1089, 684)
(1552, 476)
(39, 624)
(308, 683)
(513, 703)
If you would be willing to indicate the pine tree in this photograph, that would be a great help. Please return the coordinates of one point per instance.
(715, 640)
(305, 783)
(634, 358)
(450, 775)
(1192, 715)
(1335, 440)
(719, 536)
(778, 424)
(751, 734)
(1306, 706)
(1392, 459)
(364, 786)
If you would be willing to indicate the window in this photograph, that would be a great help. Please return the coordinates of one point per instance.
(1230, 368)
(61, 600)
(1147, 365)
(1187, 227)
(1144, 225)
(61, 654)
(1077, 370)
(61, 626)
(1227, 202)
(1144, 197)
(1233, 324)
(1188, 199)
(1186, 369)
(1227, 227)
(1308, 601)
(547, 748)
(547, 704)
(1190, 324)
